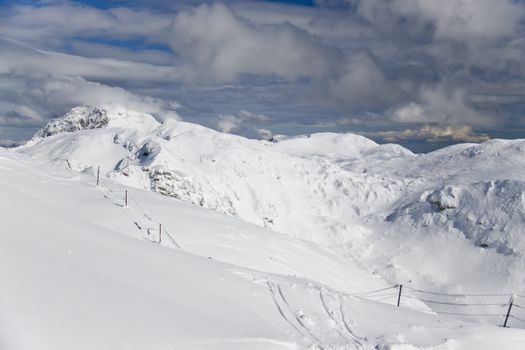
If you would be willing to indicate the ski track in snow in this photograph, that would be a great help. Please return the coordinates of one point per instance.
(326, 331)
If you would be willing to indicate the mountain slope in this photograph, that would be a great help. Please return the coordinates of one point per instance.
(258, 181)
(76, 273)
(450, 220)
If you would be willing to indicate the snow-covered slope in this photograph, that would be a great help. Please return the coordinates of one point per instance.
(255, 180)
(76, 273)
(450, 220)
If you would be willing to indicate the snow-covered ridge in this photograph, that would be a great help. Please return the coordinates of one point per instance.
(87, 117)
(337, 147)
(379, 204)
(490, 213)
(305, 195)
(79, 118)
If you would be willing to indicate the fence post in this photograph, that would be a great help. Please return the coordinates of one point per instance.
(126, 198)
(511, 301)
(160, 233)
(98, 175)
(399, 296)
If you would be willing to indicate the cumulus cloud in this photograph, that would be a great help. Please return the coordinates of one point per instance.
(449, 19)
(37, 85)
(236, 123)
(19, 58)
(437, 57)
(456, 19)
(218, 45)
(52, 24)
(98, 50)
(341, 122)
(361, 84)
(433, 133)
(438, 105)
(264, 134)
(37, 97)
(19, 115)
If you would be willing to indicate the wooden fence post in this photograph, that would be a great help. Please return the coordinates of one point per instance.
(399, 296)
(98, 175)
(126, 198)
(160, 233)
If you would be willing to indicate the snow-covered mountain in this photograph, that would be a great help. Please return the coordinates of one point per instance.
(78, 271)
(451, 219)
(292, 186)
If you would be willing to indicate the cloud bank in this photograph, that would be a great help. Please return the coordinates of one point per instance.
(432, 134)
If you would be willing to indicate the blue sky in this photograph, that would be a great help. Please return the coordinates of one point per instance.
(416, 72)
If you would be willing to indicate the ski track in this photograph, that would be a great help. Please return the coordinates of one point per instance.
(340, 320)
(281, 308)
(337, 337)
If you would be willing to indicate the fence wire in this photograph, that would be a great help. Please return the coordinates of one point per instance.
(138, 215)
(496, 307)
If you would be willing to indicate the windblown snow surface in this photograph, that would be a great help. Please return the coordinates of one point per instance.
(324, 218)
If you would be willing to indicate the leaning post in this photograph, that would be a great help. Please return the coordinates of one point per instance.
(511, 301)
(399, 295)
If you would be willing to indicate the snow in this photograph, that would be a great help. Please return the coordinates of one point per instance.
(323, 217)
(75, 274)
(227, 173)
(342, 191)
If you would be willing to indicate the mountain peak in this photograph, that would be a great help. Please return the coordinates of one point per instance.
(90, 117)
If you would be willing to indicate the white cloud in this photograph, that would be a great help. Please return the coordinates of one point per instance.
(37, 97)
(467, 19)
(217, 45)
(19, 115)
(337, 123)
(18, 58)
(229, 123)
(37, 85)
(451, 19)
(361, 83)
(410, 113)
(437, 104)
(235, 123)
(264, 134)
(51, 24)
(97, 50)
